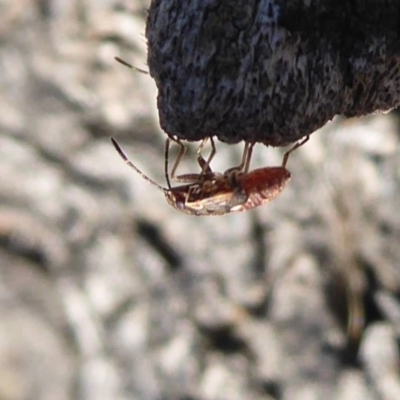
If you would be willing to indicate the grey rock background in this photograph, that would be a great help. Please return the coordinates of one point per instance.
(108, 293)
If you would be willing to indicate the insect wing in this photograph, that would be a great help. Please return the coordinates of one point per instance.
(211, 197)
(222, 202)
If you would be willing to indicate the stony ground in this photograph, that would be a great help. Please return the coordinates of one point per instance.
(106, 292)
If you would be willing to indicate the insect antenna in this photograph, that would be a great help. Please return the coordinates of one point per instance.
(137, 170)
(123, 62)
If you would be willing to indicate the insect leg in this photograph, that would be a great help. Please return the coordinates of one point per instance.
(191, 190)
(248, 151)
(296, 146)
(206, 172)
(244, 157)
(166, 156)
(245, 163)
(182, 151)
(205, 165)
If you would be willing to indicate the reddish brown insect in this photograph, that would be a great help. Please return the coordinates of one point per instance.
(212, 193)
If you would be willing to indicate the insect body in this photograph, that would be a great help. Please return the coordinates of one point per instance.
(230, 192)
(212, 193)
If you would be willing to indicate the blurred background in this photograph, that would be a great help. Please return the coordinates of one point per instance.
(106, 292)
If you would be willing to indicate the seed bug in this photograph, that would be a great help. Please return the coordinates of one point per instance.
(212, 193)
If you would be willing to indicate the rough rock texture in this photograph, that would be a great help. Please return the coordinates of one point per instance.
(271, 71)
(106, 292)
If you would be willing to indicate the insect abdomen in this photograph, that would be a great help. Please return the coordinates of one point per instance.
(263, 185)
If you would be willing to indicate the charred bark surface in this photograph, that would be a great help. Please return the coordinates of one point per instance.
(270, 71)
